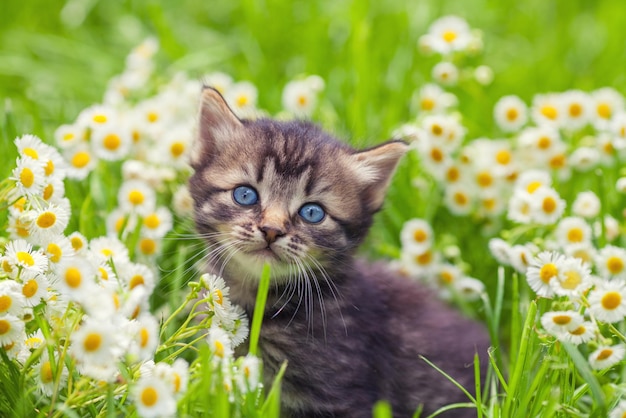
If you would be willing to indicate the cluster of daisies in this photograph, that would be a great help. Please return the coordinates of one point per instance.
(74, 310)
(570, 250)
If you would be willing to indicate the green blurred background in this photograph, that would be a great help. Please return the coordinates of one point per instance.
(56, 56)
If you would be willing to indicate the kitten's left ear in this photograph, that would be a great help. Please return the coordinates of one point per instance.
(375, 167)
(217, 124)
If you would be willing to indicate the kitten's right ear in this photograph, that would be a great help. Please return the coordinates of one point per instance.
(216, 125)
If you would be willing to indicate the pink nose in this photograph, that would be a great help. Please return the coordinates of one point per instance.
(271, 233)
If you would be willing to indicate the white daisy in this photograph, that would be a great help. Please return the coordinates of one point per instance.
(606, 103)
(153, 398)
(299, 98)
(573, 230)
(81, 161)
(75, 278)
(433, 99)
(219, 81)
(577, 109)
(606, 356)
(22, 260)
(542, 270)
(459, 199)
(607, 302)
(584, 158)
(78, 242)
(586, 205)
(547, 109)
(109, 248)
(29, 176)
(242, 98)
(510, 113)
(573, 278)
(136, 196)
(11, 329)
(97, 116)
(448, 34)
(176, 376)
(96, 342)
(157, 223)
(35, 290)
(584, 333)
(546, 206)
(48, 222)
(619, 411)
(416, 235)
(12, 302)
(445, 73)
(559, 322)
(611, 262)
(135, 275)
(111, 143)
(57, 248)
(521, 257)
(219, 343)
(248, 376)
(144, 337)
(69, 136)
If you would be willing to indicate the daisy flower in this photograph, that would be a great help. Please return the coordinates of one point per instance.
(577, 109)
(174, 147)
(585, 251)
(520, 207)
(111, 143)
(217, 295)
(75, 278)
(242, 98)
(97, 116)
(135, 275)
(586, 205)
(432, 98)
(53, 190)
(144, 337)
(78, 242)
(96, 342)
(611, 262)
(469, 288)
(11, 329)
(542, 270)
(12, 302)
(559, 322)
(57, 248)
(458, 199)
(153, 398)
(48, 222)
(109, 248)
(299, 98)
(219, 343)
(606, 356)
(448, 34)
(510, 113)
(445, 73)
(248, 375)
(136, 196)
(521, 256)
(182, 201)
(416, 235)
(584, 158)
(47, 382)
(573, 230)
(81, 161)
(69, 136)
(35, 290)
(29, 176)
(584, 333)
(157, 223)
(547, 109)
(606, 103)
(573, 278)
(444, 131)
(23, 260)
(175, 375)
(546, 206)
(500, 250)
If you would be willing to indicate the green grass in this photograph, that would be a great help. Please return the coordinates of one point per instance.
(56, 58)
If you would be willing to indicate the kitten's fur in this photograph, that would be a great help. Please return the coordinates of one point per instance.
(352, 333)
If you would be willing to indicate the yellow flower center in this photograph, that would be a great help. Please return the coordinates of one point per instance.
(579, 331)
(436, 130)
(544, 142)
(549, 112)
(427, 104)
(512, 114)
(446, 277)
(147, 246)
(149, 396)
(92, 342)
(604, 110)
(135, 281)
(575, 235)
(575, 110)
(302, 100)
(49, 168)
(152, 117)
(242, 100)
(424, 259)
(615, 265)
(46, 372)
(220, 297)
(112, 142)
(6, 266)
(100, 118)
(135, 197)
(32, 153)
(549, 205)
(484, 179)
(453, 174)
(48, 191)
(611, 300)
(152, 221)
(68, 136)
(46, 220)
(604, 354)
(73, 277)
(77, 243)
(219, 349)
(104, 275)
(30, 288)
(503, 157)
(81, 159)
(460, 198)
(449, 36)
(533, 186)
(5, 326)
(144, 337)
(572, 280)
(557, 161)
(25, 258)
(561, 319)
(177, 382)
(547, 272)
(177, 149)
(54, 252)
(420, 235)
(5, 303)
(27, 177)
(436, 154)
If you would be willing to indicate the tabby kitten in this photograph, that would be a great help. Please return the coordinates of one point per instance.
(289, 194)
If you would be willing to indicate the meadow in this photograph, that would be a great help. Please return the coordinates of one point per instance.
(510, 205)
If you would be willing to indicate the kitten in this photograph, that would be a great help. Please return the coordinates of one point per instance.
(291, 195)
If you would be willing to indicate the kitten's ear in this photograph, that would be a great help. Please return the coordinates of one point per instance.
(375, 168)
(216, 125)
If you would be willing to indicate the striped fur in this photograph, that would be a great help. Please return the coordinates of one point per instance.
(352, 333)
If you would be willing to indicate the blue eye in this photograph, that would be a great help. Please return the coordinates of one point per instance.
(312, 213)
(245, 195)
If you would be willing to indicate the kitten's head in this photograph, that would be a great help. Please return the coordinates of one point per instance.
(285, 193)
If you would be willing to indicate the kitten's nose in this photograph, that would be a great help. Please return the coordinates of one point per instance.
(271, 233)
